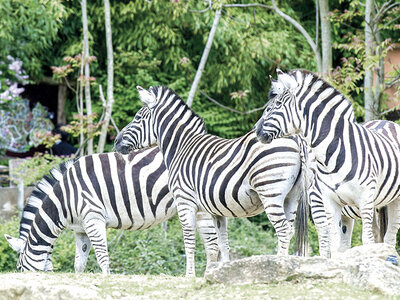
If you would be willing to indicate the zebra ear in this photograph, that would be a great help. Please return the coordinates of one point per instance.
(286, 80)
(146, 97)
(276, 86)
(16, 244)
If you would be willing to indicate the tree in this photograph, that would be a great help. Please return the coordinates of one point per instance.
(326, 41)
(110, 77)
(364, 43)
(204, 58)
(324, 58)
(85, 64)
(27, 29)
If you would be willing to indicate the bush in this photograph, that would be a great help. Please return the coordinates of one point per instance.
(8, 257)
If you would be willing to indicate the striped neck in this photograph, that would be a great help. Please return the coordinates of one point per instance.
(174, 124)
(327, 118)
(46, 227)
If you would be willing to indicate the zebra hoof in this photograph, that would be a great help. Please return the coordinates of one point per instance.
(393, 259)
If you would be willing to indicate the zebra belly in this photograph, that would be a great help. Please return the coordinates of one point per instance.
(144, 213)
(247, 204)
(351, 193)
(344, 193)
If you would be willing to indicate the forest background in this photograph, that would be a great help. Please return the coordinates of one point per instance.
(162, 42)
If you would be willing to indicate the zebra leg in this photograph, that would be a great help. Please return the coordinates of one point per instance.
(276, 215)
(95, 229)
(393, 210)
(376, 228)
(208, 234)
(346, 232)
(320, 220)
(49, 265)
(367, 216)
(221, 225)
(333, 214)
(187, 217)
(82, 249)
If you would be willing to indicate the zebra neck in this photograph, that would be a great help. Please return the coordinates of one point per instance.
(176, 129)
(42, 236)
(328, 130)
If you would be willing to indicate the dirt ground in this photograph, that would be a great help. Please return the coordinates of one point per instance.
(97, 286)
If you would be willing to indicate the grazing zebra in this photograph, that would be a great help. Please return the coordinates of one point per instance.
(128, 192)
(235, 178)
(357, 165)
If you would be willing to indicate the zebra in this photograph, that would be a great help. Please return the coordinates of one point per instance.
(127, 192)
(224, 177)
(356, 165)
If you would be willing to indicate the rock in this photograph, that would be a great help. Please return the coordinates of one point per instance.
(362, 266)
(378, 250)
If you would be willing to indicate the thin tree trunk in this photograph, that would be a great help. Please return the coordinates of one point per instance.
(300, 28)
(88, 101)
(371, 109)
(203, 58)
(61, 99)
(380, 75)
(325, 38)
(110, 78)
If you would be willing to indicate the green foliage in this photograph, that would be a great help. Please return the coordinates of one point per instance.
(27, 27)
(8, 257)
(349, 43)
(31, 170)
(248, 46)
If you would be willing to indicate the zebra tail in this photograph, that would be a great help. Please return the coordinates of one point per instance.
(41, 190)
(383, 222)
(301, 226)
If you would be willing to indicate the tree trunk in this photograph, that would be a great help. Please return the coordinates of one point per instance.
(203, 58)
(110, 78)
(326, 41)
(300, 28)
(62, 98)
(370, 106)
(88, 101)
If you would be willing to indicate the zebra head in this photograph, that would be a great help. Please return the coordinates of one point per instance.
(137, 134)
(29, 260)
(280, 117)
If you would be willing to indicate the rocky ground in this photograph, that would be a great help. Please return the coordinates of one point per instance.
(361, 273)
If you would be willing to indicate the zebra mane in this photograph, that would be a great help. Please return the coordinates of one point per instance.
(165, 94)
(40, 192)
(315, 77)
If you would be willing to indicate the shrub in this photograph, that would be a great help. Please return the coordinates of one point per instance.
(8, 257)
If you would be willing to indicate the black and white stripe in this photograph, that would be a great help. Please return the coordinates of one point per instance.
(357, 165)
(128, 192)
(234, 178)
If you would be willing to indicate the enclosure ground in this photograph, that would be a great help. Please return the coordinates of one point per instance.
(97, 286)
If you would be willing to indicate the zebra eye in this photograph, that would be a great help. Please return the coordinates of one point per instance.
(279, 101)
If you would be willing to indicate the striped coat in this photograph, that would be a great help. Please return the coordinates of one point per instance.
(128, 192)
(235, 178)
(356, 165)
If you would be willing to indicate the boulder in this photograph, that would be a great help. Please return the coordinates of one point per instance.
(362, 266)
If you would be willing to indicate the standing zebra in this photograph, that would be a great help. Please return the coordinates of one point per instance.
(357, 166)
(128, 192)
(234, 178)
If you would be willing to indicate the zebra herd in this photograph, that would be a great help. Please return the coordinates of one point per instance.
(307, 149)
